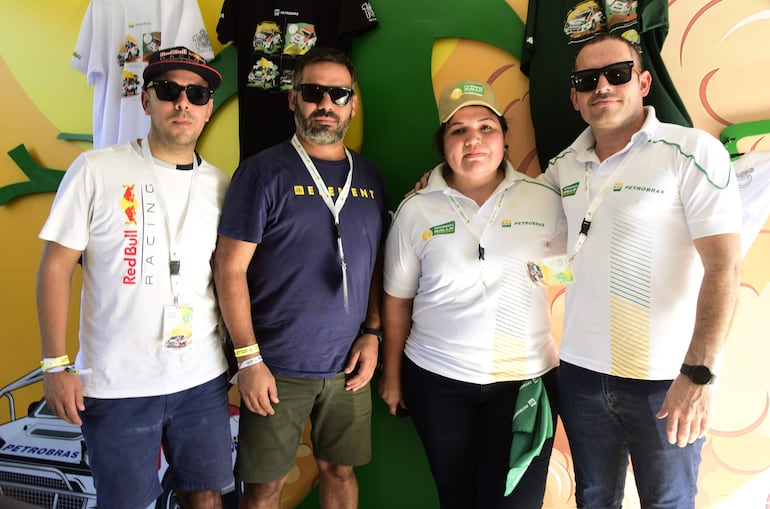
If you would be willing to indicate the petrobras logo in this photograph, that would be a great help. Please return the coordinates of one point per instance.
(642, 189)
(525, 222)
(48, 452)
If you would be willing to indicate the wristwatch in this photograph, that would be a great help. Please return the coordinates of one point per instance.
(374, 332)
(699, 374)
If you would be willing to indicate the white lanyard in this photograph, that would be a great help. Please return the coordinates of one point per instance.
(600, 196)
(334, 207)
(174, 241)
(460, 212)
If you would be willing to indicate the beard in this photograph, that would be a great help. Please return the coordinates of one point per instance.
(321, 134)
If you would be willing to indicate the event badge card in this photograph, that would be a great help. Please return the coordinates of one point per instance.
(177, 327)
(554, 270)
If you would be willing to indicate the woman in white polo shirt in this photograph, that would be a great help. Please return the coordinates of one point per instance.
(464, 325)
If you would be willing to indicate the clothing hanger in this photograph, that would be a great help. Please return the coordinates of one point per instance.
(730, 135)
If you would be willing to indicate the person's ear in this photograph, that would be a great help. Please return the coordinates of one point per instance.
(645, 82)
(146, 101)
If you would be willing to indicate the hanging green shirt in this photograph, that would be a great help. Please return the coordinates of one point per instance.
(555, 30)
(532, 425)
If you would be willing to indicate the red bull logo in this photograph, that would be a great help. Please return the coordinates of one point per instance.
(128, 203)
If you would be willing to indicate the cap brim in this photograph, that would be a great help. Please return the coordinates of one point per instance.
(471, 102)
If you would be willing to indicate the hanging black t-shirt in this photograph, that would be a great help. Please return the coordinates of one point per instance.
(270, 37)
(554, 32)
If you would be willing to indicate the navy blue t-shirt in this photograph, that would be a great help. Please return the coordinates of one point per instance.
(295, 276)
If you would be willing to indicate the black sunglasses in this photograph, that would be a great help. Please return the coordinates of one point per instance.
(616, 74)
(169, 91)
(315, 93)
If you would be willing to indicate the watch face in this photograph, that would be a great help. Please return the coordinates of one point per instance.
(700, 375)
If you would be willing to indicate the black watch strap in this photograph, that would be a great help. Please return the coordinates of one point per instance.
(374, 332)
(699, 374)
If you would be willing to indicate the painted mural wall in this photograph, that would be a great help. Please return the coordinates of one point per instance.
(718, 54)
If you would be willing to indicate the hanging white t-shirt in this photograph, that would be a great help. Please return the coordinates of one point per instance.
(108, 206)
(753, 172)
(115, 42)
(476, 317)
(631, 310)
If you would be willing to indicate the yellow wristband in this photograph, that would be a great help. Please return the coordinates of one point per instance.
(54, 362)
(247, 350)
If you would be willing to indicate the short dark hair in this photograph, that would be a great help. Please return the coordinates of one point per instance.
(323, 54)
(438, 138)
(636, 53)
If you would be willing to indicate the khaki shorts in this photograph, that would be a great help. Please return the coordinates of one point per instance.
(341, 428)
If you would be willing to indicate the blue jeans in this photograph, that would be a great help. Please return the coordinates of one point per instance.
(606, 419)
(465, 429)
(124, 438)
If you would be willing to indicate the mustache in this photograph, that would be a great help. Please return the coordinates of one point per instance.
(600, 97)
(325, 113)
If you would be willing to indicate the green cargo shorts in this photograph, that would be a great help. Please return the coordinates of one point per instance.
(341, 428)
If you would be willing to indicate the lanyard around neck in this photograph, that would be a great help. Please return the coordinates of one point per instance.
(467, 222)
(174, 241)
(334, 207)
(596, 202)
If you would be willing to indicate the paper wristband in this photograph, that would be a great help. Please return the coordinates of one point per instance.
(250, 362)
(70, 369)
(53, 362)
(247, 350)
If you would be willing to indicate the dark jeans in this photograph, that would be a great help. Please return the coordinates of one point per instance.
(606, 419)
(124, 438)
(465, 429)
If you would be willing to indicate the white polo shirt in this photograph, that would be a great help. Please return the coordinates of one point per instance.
(476, 320)
(631, 309)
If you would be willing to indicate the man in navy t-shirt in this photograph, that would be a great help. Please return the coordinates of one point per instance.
(298, 278)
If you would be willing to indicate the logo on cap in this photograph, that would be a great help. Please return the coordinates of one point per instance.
(175, 53)
(468, 88)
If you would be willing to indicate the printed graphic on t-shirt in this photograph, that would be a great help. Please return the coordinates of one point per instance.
(129, 51)
(140, 235)
(151, 41)
(363, 193)
(131, 85)
(275, 53)
(620, 13)
(264, 74)
(301, 38)
(133, 57)
(268, 38)
(586, 18)
(128, 203)
(201, 42)
(591, 17)
(368, 11)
